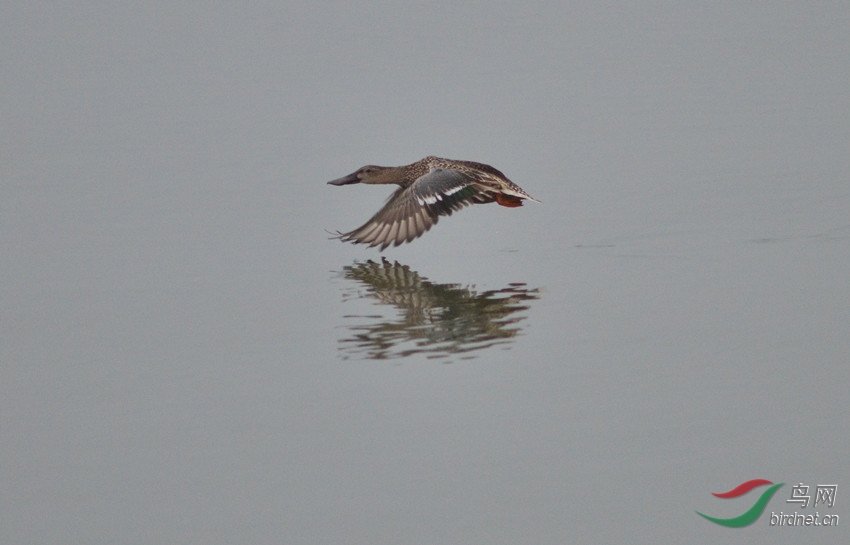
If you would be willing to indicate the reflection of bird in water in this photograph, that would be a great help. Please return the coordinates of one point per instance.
(436, 319)
(430, 188)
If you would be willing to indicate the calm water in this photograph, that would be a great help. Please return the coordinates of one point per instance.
(188, 357)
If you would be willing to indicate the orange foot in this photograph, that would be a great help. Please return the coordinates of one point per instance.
(508, 200)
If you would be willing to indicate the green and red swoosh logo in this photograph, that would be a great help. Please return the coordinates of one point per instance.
(753, 512)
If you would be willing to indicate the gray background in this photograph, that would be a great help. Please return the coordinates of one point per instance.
(173, 315)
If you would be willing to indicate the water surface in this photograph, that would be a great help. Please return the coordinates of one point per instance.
(187, 357)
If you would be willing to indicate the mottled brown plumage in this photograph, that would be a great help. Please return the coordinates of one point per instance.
(429, 188)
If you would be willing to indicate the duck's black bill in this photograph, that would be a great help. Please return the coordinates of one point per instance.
(345, 180)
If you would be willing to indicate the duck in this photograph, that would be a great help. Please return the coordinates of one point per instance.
(428, 189)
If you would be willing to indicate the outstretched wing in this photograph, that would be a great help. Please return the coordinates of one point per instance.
(412, 211)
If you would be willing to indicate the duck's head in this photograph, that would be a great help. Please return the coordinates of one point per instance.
(370, 174)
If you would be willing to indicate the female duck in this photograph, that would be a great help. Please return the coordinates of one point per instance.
(429, 188)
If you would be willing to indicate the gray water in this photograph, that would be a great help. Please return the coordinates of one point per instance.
(187, 357)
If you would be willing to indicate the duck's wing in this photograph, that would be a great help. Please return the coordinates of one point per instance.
(412, 211)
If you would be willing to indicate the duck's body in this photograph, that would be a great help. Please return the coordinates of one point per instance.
(429, 188)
